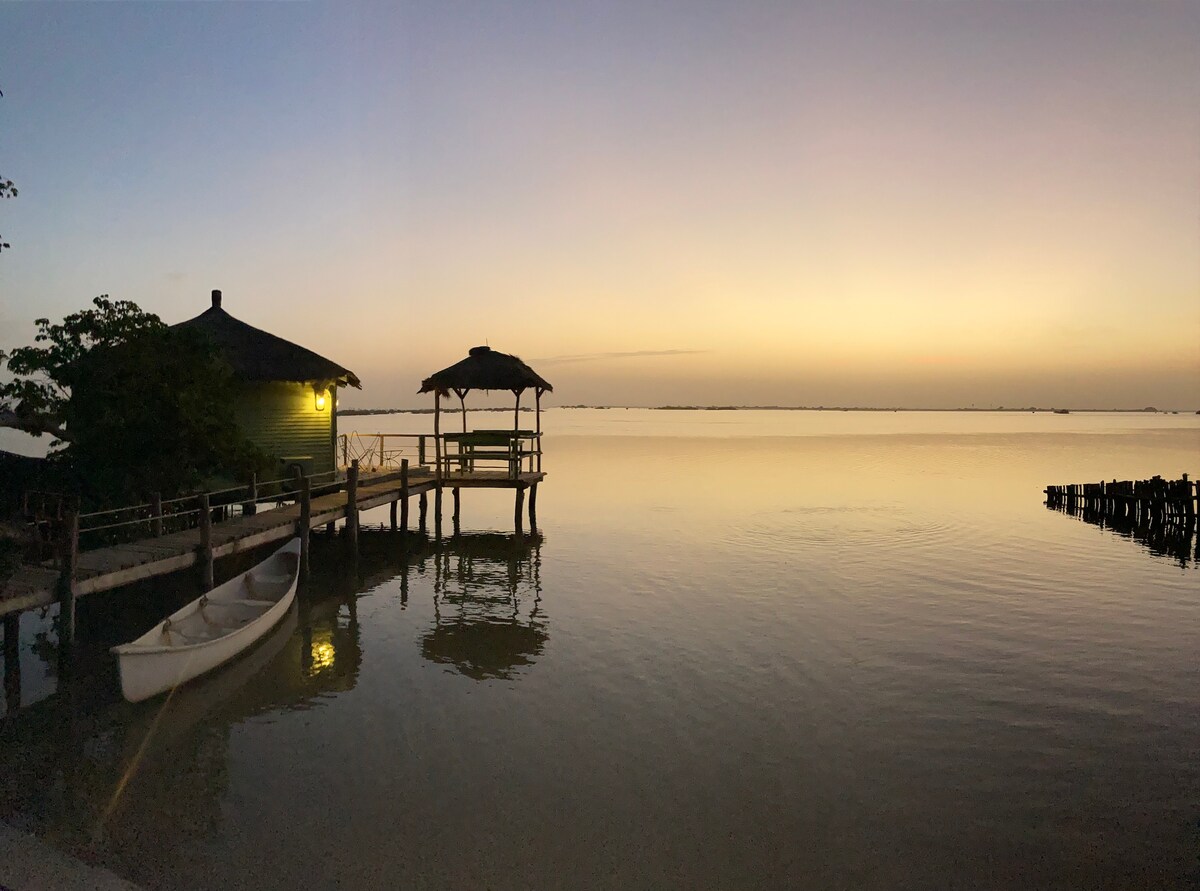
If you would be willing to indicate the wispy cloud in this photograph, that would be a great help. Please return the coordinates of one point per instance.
(599, 357)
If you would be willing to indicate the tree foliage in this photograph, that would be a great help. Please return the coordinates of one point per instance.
(135, 406)
(36, 399)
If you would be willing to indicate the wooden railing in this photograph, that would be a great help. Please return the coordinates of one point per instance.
(51, 514)
(514, 450)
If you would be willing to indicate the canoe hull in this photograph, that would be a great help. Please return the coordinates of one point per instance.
(147, 669)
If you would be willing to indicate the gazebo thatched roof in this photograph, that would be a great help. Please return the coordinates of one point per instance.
(485, 369)
(256, 355)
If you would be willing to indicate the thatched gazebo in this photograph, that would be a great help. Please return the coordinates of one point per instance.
(485, 369)
(287, 395)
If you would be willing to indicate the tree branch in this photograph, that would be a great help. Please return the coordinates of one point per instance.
(35, 425)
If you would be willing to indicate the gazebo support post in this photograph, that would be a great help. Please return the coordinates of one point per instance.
(517, 412)
(462, 401)
(537, 401)
(437, 437)
(437, 448)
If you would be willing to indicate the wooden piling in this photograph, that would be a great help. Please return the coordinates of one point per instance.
(423, 513)
(304, 524)
(392, 518)
(250, 508)
(533, 508)
(206, 546)
(156, 526)
(457, 504)
(519, 510)
(437, 512)
(68, 563)
(404, 495)
(352, 503)
(1152, 503)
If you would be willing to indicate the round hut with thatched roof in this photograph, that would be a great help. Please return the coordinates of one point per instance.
(286, 402)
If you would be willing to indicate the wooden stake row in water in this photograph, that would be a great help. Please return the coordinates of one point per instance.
(1155, 501)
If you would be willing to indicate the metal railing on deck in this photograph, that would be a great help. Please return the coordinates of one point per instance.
(385, 451)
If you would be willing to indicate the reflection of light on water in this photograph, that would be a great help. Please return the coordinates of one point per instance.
(323, 652)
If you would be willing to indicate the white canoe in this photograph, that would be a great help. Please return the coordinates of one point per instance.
(212, 629)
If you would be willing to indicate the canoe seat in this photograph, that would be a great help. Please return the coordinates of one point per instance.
(192, 637)
(233, 614)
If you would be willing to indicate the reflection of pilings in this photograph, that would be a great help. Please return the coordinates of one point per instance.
(12, 662)
(480, 626)
(1176, 541)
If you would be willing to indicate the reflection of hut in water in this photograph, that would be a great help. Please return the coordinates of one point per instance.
(487, 605)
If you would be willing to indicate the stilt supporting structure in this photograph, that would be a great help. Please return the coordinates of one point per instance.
(304, 524)
(404, 495)
(352, 503)
(206, 545)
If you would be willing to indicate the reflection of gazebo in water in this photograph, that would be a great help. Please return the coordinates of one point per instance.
(487, 369)
(487, 605)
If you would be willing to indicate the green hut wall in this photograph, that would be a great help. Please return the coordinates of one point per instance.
(281, 418)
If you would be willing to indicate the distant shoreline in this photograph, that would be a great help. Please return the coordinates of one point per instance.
(1027, 410)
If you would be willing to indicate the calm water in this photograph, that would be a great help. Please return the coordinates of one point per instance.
(751, 649)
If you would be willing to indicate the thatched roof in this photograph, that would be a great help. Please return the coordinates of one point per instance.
(256, 355)
(485, 369)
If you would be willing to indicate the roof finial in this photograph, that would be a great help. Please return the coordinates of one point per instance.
(216, 299)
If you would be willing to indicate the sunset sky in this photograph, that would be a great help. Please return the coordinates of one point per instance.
(909, 203)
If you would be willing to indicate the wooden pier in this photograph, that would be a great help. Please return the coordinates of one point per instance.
(218, 531)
